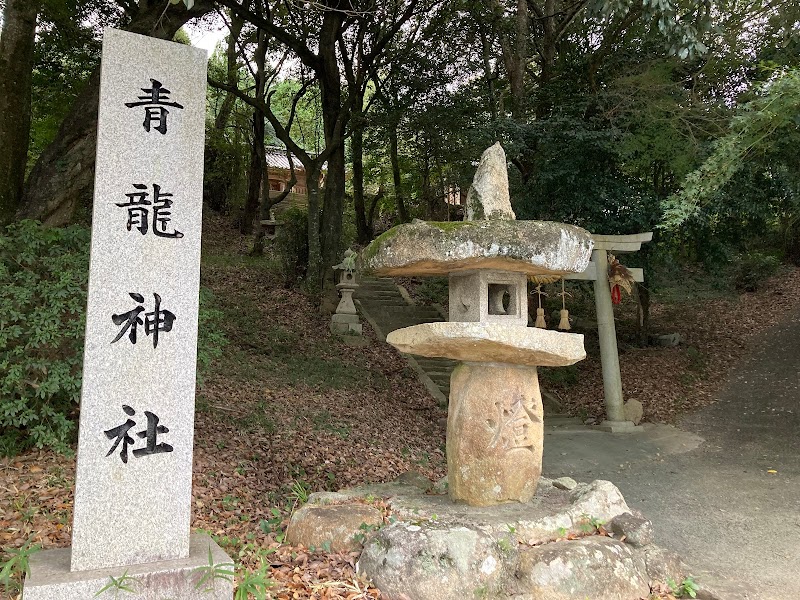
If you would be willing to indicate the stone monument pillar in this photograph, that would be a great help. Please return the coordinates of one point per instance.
(134, 476)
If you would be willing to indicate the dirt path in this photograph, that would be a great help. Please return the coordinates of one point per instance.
(731, 505)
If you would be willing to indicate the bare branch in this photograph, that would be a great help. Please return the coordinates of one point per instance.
(297, 45)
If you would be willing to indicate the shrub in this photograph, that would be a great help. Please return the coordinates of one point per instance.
(43, 275)
(43, 280)
(752, 269)
(292, 245)
(434, 290)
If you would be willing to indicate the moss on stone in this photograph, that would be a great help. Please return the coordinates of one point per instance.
(368, 253)
(448, 226)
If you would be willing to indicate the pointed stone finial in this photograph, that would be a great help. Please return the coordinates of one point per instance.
(488, 198)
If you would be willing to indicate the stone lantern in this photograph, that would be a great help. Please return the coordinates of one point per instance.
(494, 426)
(345, 319)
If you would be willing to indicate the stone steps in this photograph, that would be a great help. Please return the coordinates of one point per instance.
(388, 309)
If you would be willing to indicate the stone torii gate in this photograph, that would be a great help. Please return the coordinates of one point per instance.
(597, 271)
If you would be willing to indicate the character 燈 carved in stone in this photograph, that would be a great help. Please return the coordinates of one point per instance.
(514, 425)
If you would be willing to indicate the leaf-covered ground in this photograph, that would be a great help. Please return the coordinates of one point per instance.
(289, 408)
(672, 381)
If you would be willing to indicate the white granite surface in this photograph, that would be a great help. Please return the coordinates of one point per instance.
(138, 511)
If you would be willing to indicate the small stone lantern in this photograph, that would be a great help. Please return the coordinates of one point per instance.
(345, 320)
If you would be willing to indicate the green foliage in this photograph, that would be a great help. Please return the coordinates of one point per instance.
(506, 546)
(211, 572)
(210, 338)
(364, 530)
(307, 129)
(291, 243)
(43, 278)
(589, 524)
(299, 492)
(16, 565)
(256, 584)
(751, 269)
(116, 585)
(434, 290)
(67, 50)
(561, 377)
(273, 524)
(687, 588)
(228, 123)
(225, 172)
(766, 129)
(577, 176)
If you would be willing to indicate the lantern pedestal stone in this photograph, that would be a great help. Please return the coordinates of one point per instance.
(494, 434)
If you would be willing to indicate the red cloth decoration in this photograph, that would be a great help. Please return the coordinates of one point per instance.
(616, 294)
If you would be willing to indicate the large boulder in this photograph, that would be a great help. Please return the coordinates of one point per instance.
(338, 528)
(595, 567)
(435, 562)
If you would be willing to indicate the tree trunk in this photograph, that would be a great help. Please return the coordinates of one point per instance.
(62, 180)
(265, 211)
(313, 277)
(216, 185)
(488, 75)
(333, 207)
(427, 190)
(515, 54)
(16, 68)
(402, 212)
(363, 228)
(258, 153)
(373, 204)
(643, 314)
(330, 80)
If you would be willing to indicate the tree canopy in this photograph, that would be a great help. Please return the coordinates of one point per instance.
(620, 115)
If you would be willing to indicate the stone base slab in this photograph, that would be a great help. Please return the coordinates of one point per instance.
(345, 324)
(178, 579)
(617, 427)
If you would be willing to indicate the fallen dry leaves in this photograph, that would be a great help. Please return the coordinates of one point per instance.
(265, 435)
(672, 381)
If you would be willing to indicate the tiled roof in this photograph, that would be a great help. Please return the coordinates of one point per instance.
(276, 158)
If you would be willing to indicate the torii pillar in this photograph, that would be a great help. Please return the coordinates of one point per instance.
(597, 271)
